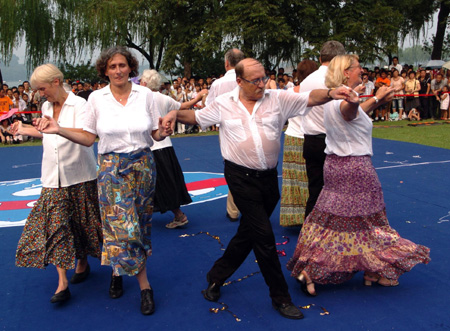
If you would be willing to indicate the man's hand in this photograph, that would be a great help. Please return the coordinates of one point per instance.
(346, 93)
(167, 123)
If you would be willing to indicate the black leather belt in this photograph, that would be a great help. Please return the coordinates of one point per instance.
(250, 172)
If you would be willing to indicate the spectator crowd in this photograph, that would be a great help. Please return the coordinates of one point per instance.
(420, 95)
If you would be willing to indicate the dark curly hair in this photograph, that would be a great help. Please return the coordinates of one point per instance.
(107, 54)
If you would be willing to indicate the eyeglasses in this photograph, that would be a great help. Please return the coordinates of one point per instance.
(358, 66)
(257, 81)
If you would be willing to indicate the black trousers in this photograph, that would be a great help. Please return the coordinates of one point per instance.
(314, 155)
(256, 194)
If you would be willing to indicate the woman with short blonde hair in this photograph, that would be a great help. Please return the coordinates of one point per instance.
(64, 224)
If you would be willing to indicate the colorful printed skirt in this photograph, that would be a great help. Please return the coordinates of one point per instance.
(64, 224)
(294, 191)
(126, 186)
(171, 191)
(348, 231)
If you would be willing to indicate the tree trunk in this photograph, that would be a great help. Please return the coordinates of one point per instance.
(187, 69)
(444, 11)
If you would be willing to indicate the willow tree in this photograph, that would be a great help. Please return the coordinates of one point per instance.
(66, 30)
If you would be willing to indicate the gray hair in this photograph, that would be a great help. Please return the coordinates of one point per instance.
(331, 49)
(152, 78)
(233, 56)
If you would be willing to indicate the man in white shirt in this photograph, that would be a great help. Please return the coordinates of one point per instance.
(220, 86)
(395, 65)
(252, 119)
(313, 127)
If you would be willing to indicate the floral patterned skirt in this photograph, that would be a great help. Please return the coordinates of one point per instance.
(294, 191)
(126, 186)
(348, 230)
(64, 224)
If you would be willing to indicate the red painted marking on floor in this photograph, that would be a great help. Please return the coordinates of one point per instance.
(207, 183)
(11, 205)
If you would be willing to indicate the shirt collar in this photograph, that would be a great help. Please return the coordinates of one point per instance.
(70, 101)
(234, 94)
(230, 72)
(107, 88)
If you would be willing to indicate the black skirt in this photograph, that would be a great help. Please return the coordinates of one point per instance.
(171, 191)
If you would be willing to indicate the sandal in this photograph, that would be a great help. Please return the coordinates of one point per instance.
(177, 222)
(370, 278)
(303, 279)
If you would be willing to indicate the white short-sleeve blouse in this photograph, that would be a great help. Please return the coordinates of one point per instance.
(122, 129)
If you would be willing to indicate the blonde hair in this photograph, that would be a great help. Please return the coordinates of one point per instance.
(46, 73)
(152, 78)
(335, 75)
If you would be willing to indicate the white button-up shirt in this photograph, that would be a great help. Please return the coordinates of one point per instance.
(222, 85)
(347, 138)
(312, 123)
(65, 163)
(165, 105)
(252, 140)
(122, 129)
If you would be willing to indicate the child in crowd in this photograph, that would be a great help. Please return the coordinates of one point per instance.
(414, 114)
(444, 103)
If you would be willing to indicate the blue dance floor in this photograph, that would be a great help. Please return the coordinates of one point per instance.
(415, 180)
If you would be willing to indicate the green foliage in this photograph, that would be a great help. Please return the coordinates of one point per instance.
(82, 72)
(189, 33)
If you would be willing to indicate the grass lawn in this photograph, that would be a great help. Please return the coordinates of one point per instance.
(437, 135)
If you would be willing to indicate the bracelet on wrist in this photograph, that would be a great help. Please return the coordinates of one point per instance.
(376, 99)
(328, 93)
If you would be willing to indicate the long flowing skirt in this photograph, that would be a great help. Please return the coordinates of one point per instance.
(126, 186)
(348, 231)
(294, 192)
(64, 224)
(171, 191)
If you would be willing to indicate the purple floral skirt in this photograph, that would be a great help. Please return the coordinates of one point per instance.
(348, 230)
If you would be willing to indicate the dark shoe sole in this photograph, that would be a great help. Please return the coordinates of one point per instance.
(61, 296)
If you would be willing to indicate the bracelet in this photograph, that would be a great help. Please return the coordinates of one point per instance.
(376, 99)
(328, 93)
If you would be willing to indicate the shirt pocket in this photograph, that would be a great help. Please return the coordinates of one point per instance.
(270, 127)
(235, 129)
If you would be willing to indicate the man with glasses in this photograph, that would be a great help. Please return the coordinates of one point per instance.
(251, 119)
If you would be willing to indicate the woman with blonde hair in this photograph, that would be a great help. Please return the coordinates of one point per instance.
(348, 230)
(126, 119)
(64, 224)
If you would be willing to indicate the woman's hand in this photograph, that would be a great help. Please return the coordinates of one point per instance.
(46, 124)
(16, 128)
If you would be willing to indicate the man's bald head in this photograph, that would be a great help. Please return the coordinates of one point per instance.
(245, 64)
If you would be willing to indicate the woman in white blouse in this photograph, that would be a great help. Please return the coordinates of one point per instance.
(64, 224)
(348, 231)
(125, 118)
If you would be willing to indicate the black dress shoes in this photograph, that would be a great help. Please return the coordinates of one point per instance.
(288, 310)
(61, 296)
(212, 293)
(147, 303)
(80, 277)
(116, 287)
